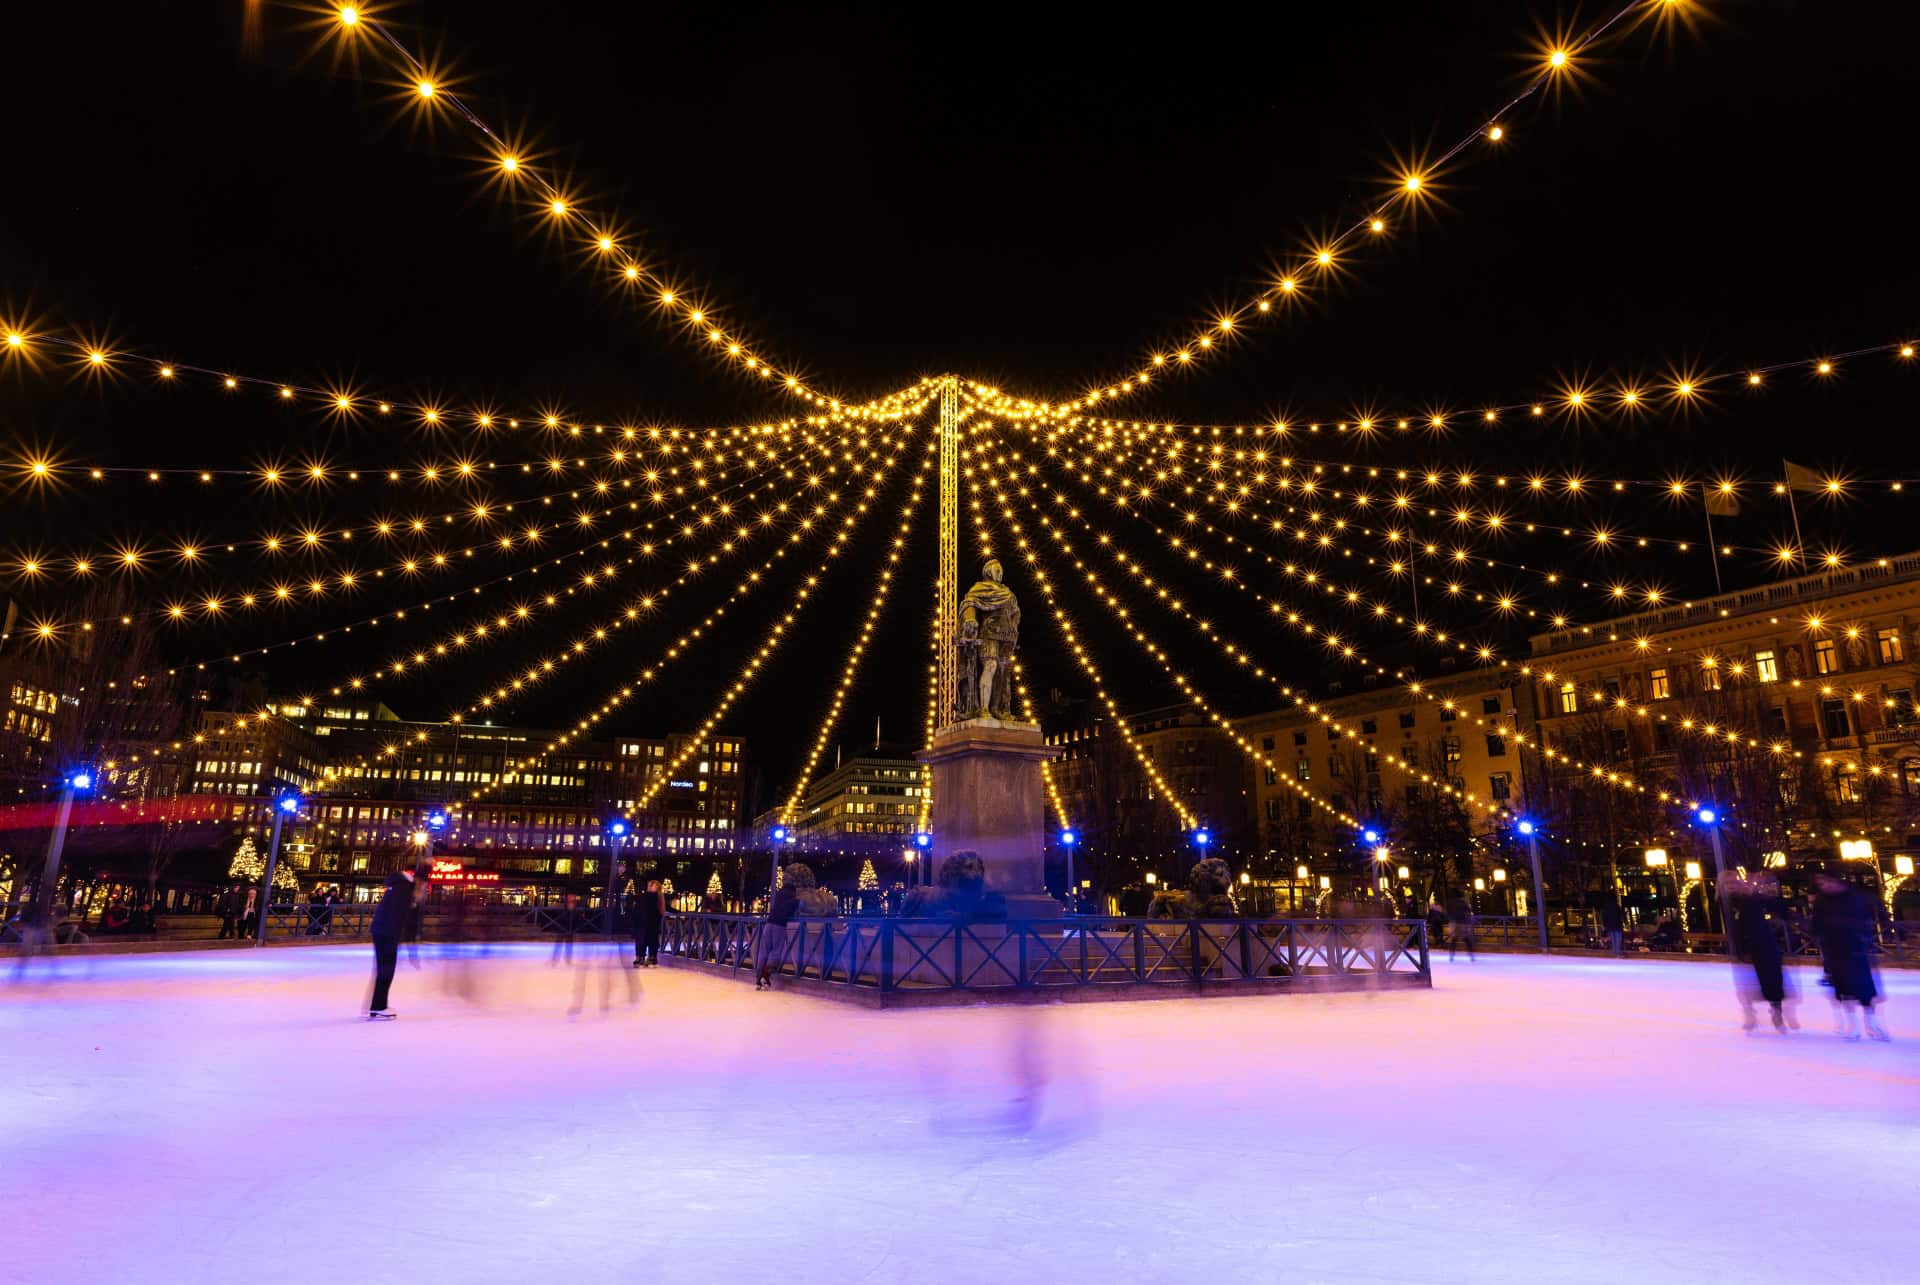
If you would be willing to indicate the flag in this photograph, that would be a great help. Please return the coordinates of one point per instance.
(1802, 478)
(1722, 504)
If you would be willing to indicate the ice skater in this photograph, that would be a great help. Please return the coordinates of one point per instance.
(1613, 921)
(1460, 927)
(1843, 923)
(773, 936)
(649, 910)
(392, 922)
(1758, 913)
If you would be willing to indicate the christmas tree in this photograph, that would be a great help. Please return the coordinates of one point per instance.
(247, 865)
(869, 877)
(713, 884)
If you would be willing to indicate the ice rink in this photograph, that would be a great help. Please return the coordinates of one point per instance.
(231, 1117)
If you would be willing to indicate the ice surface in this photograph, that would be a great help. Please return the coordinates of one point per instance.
(230, 1117)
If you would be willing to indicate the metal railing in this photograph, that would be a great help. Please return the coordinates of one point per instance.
(891, 955)
(1899, 940)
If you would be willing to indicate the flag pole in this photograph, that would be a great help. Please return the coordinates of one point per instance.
(1799, 546)
(1713, 550)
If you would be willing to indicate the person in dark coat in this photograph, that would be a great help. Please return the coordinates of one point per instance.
(230, 903)
(773, 935)
(1613, 921)
(1843, 924)
(649, 910)
(1460, 922)
(1758, 914)
(1436, 923)
(392, 923)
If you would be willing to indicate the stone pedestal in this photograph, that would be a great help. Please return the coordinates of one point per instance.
(988, 797)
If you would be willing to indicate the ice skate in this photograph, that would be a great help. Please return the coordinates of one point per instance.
(382, 1015)
(1779, 1020)
(1875, 1030)
(1849, 1023)
(1746, 1019)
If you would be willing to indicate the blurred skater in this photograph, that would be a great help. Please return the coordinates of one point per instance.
(1757, 915)
(773, 936)
(1436, 922)
(1459, 927)
(231, 902)
(1843, 924)
(392, 922)
(649, 910)
(563, 939)
(1613, 921)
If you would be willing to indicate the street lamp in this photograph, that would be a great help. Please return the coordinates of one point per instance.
(78, 781)
(923, 842)
(1531, 833)
(284, 806)
(1710, 819)
(1202, 837)
(1069, 840)
(617, 831)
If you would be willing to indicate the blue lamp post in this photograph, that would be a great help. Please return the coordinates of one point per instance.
(617, 831)
(1069, 841)
(79, 781)
(285, 805)
(1527, 830)
(923, 846)
(1709, 819)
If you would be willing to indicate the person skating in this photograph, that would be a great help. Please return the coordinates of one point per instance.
(1436, 922)
(773, 935)
(1460, 925)
(1843, 923)
(649, 909)
(1613, 922)
(1757, 915)
(230, 902)
(392, 920)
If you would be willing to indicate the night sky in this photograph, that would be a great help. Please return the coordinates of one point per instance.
(1031, 199)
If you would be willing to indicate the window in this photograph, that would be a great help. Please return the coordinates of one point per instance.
(1663, 738)
(1272, 777)
(1448, 713)
(1766, 666)
(1406, 719)
(1910, 777)
(1299, 738)
(1304, 810)
(1369, 727)
(1709, 675)
(1334, 769)
(1266, 743)
(1659, 685)
(1489, 704)
(1303, 770)
(1773, 720)
(1569, 698)
(1496, 746)
(1617, 742)
(1499, 786)
(1846, 780)
(1833, 717)
(1450, 750)
(1611, 686)
(1826, 657)
(1892, 647)
(1900, 707)
(1273, 809)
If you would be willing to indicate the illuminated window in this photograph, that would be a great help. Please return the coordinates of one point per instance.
(1766, 666)
(1659, 685)
(1826, 657)
(1710, 675)
(1303, 770)
(1892, 647)
(1846, 781)
(1569, 698)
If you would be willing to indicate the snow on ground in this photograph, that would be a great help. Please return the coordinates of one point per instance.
(217, 1117)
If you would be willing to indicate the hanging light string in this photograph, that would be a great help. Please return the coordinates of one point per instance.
(849, 672)
(764, 654)
(21, 344)
(1708, 729)
(1037, 565)
(1579, 402)
(1409, 189)
(1125, 617)
(682, 645)
(1403, 549)
(976, 504)
(599, 239)
(319, 582)
(1032, 715)
(727, 541)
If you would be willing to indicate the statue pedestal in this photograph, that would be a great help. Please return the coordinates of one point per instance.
(988, 797)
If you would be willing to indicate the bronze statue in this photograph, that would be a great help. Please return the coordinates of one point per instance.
(989, 635)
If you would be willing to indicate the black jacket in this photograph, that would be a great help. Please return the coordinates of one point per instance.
(1843, 922)
(649, 909)
(786, 904)
(393, 917)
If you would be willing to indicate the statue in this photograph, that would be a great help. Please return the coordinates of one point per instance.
(989, 635)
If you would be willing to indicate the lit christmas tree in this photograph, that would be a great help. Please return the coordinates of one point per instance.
(713, 884)
(247, 865)
(869, 877)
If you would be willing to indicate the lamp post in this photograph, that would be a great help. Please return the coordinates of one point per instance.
(780, 835)
(1300, 876)
(1531, 833)
(286, 805)
(923, 844)
(616, 840)
(1068, 840)
(78, 781)
(1710, 818)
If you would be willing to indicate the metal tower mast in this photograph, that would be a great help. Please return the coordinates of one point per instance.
(946, 586)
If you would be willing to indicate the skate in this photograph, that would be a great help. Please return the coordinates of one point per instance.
(382, 1015)
(1779, 1020)
(1849, 1024)
(1746, 1019)
(1875, 1030)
